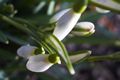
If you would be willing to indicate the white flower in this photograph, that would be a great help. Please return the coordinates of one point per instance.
(42, 62)
(100, 10)
(66, 23)
(84, 28)
(37, 63)
(26, 51)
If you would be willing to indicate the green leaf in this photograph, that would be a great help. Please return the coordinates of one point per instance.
(6, 55)
(107, 4)
(14, 23)
(3, 38)
(62, 52)
(16, 39)
(118, 1)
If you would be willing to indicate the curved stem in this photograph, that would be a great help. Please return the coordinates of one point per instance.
(111, 57)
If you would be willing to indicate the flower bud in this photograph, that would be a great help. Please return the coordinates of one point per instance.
(80, 56)
(84, 29)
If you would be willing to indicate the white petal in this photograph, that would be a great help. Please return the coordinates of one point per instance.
(85, 25)
(38, 63)
(100, 10)
(78, 57)
(65, 24)
(26, 51)
(57, 16)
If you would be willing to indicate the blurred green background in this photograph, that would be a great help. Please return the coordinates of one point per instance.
(38, 12)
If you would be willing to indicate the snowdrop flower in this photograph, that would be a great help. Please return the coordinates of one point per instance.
(67, 19)
(84, 28)
(42, 62)
(100, 10)
(37, 63)
(65, 24)
(26, 51)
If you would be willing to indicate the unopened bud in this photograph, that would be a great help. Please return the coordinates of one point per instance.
(84, 29)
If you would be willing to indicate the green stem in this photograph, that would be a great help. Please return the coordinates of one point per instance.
(29, 28)
(111, 57)
(14, 23)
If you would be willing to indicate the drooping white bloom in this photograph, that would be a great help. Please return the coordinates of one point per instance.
(26, 51)
(100, 10)
(65, 24)
(38, 63)
(84, 28)
(57, 16)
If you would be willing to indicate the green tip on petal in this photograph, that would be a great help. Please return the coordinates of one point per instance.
(80, 6)
(54, 58)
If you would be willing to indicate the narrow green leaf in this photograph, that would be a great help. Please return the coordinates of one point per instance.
(6, 55)
(118, 1)
(16, 39)
(14, 23)
(107, 4)
(3, 38)
(62, 52)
